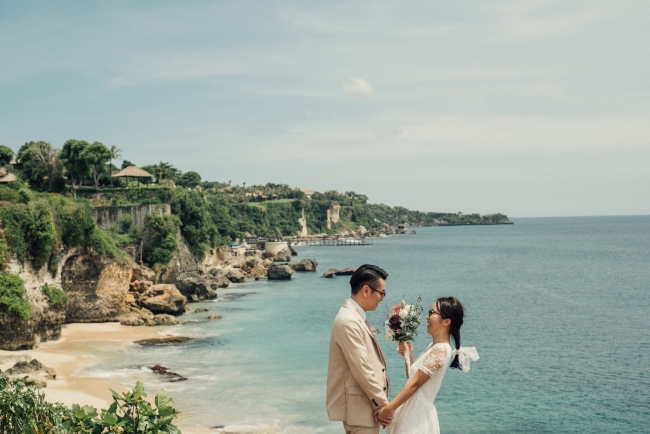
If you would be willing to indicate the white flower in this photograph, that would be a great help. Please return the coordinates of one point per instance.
(403, 313)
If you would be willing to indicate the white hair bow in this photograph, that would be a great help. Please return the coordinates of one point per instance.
(465, 354)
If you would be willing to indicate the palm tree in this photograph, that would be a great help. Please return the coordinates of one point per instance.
(117, 154)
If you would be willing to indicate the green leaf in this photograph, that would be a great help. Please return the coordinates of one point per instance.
(139, 390)
(90, 411)
(110, 419)
(170, 429)
(78, 412)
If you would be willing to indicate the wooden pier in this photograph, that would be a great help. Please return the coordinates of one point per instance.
(312, 241)
(330, 241)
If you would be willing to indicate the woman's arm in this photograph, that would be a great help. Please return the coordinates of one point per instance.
(411, 387)
(432, 362)
(402, 351)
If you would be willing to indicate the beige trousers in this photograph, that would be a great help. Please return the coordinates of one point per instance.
(353, 429)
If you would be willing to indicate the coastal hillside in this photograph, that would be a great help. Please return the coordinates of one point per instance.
(82, 240)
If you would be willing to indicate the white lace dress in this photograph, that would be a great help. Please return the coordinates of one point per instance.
(418, 415)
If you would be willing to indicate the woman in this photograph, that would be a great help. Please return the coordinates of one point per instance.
(412, 409)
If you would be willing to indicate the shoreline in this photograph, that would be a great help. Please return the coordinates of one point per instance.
(66, 356)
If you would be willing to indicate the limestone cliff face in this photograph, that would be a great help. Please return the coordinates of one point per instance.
(105, 216)
(183, 262)
(333, 215)
(303, 225)
(45, 325)
(96, 287)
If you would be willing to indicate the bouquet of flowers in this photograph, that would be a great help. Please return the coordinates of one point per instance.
(403, 322)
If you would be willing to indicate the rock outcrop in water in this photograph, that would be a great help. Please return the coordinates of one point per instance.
(304, 265)
(283, 255)
(279, 272)
(169, 340)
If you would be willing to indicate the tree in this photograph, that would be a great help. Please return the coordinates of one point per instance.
(126, 163)
(6, 154)
(75, 165)
(115, 153)
(41, 164)
(96, 156)
(189, 179)
(162, 171)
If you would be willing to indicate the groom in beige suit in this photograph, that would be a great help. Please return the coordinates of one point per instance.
(357, 382)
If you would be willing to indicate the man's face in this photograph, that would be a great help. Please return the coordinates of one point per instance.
(376, 294)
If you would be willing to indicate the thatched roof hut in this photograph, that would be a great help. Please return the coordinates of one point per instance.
(9, 177)
(132, 172)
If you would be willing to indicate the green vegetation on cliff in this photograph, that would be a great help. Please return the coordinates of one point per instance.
(12, 296)
(34, 227)
(55, 296)
(164, 230)
(36, 224)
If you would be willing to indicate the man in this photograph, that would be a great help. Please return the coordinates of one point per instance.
(357, 382)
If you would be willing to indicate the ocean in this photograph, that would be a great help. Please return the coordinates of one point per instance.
(557, 308)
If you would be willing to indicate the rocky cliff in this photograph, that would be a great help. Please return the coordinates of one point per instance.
(96, 287)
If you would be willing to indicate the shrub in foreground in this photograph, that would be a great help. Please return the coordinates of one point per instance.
(23, 409)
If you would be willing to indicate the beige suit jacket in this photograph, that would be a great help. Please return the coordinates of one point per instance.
(357, 382)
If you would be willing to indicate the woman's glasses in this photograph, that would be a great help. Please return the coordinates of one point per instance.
(433, 312)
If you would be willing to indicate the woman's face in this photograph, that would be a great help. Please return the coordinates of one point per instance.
(435, 321)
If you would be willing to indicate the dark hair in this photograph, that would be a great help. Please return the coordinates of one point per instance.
(450, 308)
(366, 275)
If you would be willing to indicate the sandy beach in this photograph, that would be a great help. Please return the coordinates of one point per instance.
(66, 356)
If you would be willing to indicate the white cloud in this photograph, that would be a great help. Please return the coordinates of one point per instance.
(358, 88)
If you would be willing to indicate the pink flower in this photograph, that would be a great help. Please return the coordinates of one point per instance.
(396, 308)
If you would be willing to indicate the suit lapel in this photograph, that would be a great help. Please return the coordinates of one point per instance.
(354, 310)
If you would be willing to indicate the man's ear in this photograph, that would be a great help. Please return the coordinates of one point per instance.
(364, 290)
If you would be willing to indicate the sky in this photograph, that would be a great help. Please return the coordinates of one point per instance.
(528, 108)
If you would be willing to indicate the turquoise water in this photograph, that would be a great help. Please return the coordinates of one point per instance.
(557, 308)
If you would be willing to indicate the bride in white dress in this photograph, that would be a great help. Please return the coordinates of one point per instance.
(412, 409)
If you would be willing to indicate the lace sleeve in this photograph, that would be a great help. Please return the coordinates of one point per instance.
(434, 360)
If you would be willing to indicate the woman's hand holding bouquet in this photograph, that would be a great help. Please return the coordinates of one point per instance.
(402, 326)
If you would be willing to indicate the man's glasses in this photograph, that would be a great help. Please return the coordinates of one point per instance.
(382, 293)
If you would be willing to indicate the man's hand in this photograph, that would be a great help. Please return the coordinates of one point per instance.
(384, 416)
